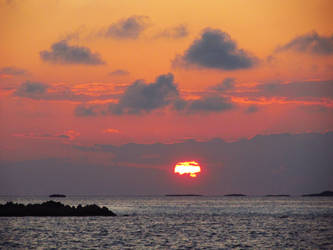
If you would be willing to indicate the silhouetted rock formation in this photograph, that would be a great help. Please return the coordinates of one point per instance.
(52, 208)
(235, 195)
(57, 196)
(325, 193)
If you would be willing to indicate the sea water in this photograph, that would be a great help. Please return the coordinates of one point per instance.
(160, 222)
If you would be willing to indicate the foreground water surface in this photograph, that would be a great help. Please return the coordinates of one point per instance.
(178, 222)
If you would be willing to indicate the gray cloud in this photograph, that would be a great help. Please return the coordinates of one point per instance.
(225, 85)
(216, 50)
(33, 90)
(210, 104)
(140, 97)
(176, 32)
(252, 109)
(264, 164)
(119, 72)
(129, 28)
(40, 91)
(85, 110)
(63, 53)
(13, 71)
(276, 163)
(311, 43)
(315, 89)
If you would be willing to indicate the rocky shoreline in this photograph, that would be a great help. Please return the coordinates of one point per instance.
(52, 208)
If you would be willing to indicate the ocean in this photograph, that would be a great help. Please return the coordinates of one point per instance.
(160, 222)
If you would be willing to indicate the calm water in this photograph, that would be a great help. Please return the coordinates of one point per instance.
(178, 223)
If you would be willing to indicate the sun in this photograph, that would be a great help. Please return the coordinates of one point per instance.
(191, 168)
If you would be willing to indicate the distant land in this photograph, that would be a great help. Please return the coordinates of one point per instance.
(235, 195)
(277, 195)
(324, 194)
(183, 195)
(57, 196)
(52, 208)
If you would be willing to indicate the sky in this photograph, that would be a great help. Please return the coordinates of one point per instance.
(105, 97)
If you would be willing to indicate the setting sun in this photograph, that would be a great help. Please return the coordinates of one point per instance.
(192, 168)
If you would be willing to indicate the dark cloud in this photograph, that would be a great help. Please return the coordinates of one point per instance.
(141, 97)
(210, 104)
(252, 109)
(307, 90)
(67, 135)
(225, 85)
(264, 164)
(216, 50)
(63, 53)
(12, 71)
(176, 32)
(129, 28)
(85, 110)
(276, 163)
(33, 90)
(311, 43)
(119, 72)
(43, 91)
(315, 89)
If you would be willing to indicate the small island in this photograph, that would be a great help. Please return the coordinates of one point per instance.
(183, 195)
(322, 194)
(52, 208)
(235, 195)
(57, 196)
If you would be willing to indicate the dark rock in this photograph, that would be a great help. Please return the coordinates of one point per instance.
(324, 194)
(57, 196)
(52, 208)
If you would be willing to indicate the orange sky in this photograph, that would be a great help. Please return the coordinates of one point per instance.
(107, 96)
(257, 27)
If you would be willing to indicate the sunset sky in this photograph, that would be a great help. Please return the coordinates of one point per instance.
(105, 97)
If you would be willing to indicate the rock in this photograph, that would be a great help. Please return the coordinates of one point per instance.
(52, 208)
(57, 196)
(324, 194)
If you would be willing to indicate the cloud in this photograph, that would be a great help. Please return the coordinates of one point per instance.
(272, 163)
(63, 53)
(210, 104)
(12, 71)
(141, 97)
(216, 50)
(67, 135)
(311, 89)
(225, 85)
(33, 90)
(259, 165)
(252, 109)
(63, 92)
(176, 32)
(311, 43)
(119, 72)
(130, 28)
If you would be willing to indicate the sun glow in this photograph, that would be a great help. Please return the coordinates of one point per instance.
(191, 168)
